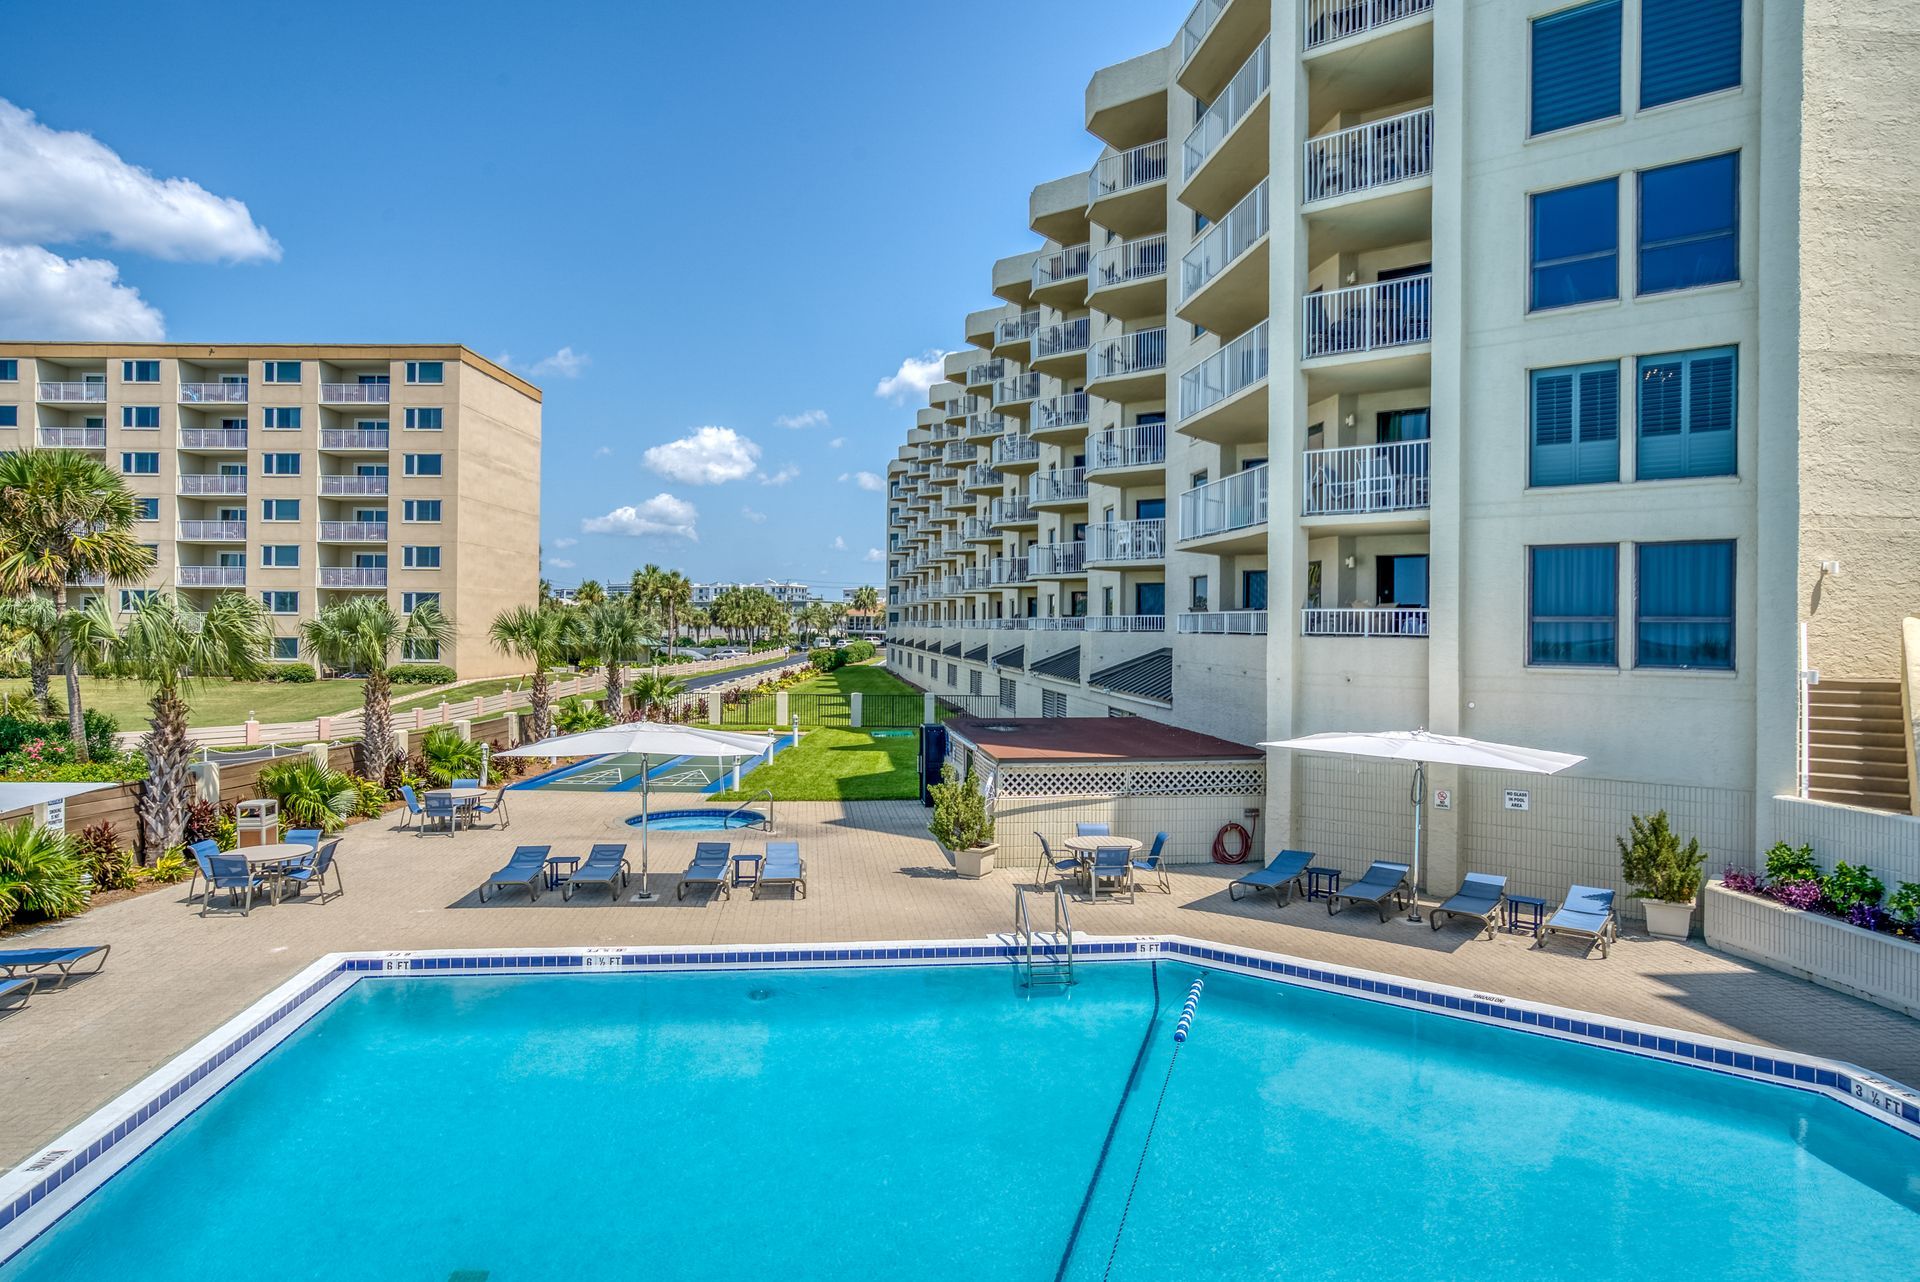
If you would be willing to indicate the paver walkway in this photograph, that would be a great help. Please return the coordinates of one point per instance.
(875, 874)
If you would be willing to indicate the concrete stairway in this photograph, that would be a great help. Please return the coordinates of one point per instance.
(1858, 744)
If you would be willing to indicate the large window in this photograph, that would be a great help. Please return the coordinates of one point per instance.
(1576, 66)
(1576, 425)
(420, 510)
(1687, 48)
(140, 463)
(140, 371)
(281, 602)
(286, 647)
(1687, 414)
(424, 419)
(281, 418)
(1053, 703)
(9, 371)
(9, 416)
(1684, 615)
(425, 372)
(282, 555)
(279, 509)
(140, 416)
(422, 464)
(420, 558)
(280, 464)
(1573, 606)
(1576, 245)
(411, 601)
(1689, 224)
(146, 509)
(280, 371)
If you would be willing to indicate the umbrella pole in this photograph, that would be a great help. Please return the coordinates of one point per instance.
(646, 770)
(1419, 799)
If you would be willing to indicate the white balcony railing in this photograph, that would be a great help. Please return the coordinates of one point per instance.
(1015, 449)
(1236, 502)
(211, 576)
(1062, 339)
(1067, 485)
(1229, 371)
(1009, 570)
(1012, 391)
(1017, 329)
(1142, 540)
(1125, 170)
(1061, 413)
(1057, 558)
(978, 425)
(210, 483)
(1391, 477)
(1139, 352)
(353, 438)
(959, 452)
(976, 527)
(1376, 154)
(1225, 242)
(1128, 261)
(355, 576)
(83, 393)
(1331, 20)
(983, 372)
(353, 485)
(356, 393)
(1126, 623)
(1248, 86)
(1194, 30)
(1366, 318)
(213, 393)
(213, 531)
(72, 438)
(1058, 623)
(1057, 268)
(353, 531)
(1382, 621)
(1143, 445)
(979, 475)
(1011, 511)
(1225, 623)
(213, 438)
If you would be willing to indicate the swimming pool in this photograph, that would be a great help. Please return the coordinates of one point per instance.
(698, 820)
(540, 1126)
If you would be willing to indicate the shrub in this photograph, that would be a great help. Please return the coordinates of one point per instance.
(130, 768)
(39, 876)
(371, 798)
(1656, 865)
(310, 795)
(1804, 895)
(1740, 879)
(97, 849)
(960, 818)
(17, 731)
(292, 673)
(1848, 888)
(825, 660)
(422, 674)
(859, 651)
(445, 756)
(168, 868)
(1903, 905)
(574, 714)
(1791, 863)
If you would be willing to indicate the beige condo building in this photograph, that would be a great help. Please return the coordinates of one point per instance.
(1527, 371)
(305, 473)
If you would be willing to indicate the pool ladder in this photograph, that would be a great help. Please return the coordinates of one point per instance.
(767, 823)
(1045, 960)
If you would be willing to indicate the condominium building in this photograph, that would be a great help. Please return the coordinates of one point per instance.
(792, 595)
(305, 474)
(1525, 372)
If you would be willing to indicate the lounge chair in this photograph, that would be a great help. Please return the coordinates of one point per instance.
(1587, 914)
(499, 807)
(231, 874)
(1384, 884)
(1283, 876)
(414, 809)
(604, 866)
(34, 960)
(1092, 830)
(1111, 864)
(17, 991)
(441, 809)
(783, 866)
(312, 871)
(1154, 865)
(203, 853)
(527, 867)
(1479, 898)
(1052, 868)
(712, 862)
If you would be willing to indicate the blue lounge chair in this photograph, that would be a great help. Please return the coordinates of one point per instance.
(527, 867)
(1092, 830)
(1112, 864)
(231, 874)
(1282, 876)
(1478, 898)
(441, 809)
(498, 806)
(783, 866)
(1154, 865)
(312, 871)
(1051, 867)
(414, 810)
(17, 990)
(203, 853)
(1586, 915)
(604, 866)
(1385, 883)
(34, 960)
(712, 861)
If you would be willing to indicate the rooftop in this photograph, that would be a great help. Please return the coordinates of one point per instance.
(1093, 739)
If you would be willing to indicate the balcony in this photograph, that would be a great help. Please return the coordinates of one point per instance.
(1126, 623)
(1060, 349)
(82, 393)
(1118, 452)
(209, 483)
(1016, 453)
(351, 440)
(1065, 487)
(210, 576)
(1227, 515)
(1382, 153)
(213, 438)
(1224, 623)
(1015, 393)
(981, 429)
(1214, 41)
(1223, 278)
(976, 529)
(213, 393)
(1383, 621)
(976, 578)
(1009, 571)
(1056, 623)
(355, 393)
(1368, 318)
(1060, 277)
(1011, 336)
(1365, 480)
(982, 375)
(352, 486)
(981, 479)
(1125, 190)
(1223, 398)
(1057, 560)
(1127, 541)
(1328, 21)
(1130, 367)
(1067, 414)
(353, 531)
(1226, 153)
(212, 531)
(353, 576)
(1129, 279)
(72, 438)
(1012, 513)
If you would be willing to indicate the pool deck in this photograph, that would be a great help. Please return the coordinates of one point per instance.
(874, 874)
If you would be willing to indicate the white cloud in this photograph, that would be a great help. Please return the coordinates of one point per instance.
(866, 480)
(758, 518)
(565, 363)
(605, 451)
(557, 563)
(786, 473)
(914, 376)
(711, 456)
(836, 442)
(565, 542)
(875, 554)
(43, 295)
(839, 544)
(661, 514)
(806, 418)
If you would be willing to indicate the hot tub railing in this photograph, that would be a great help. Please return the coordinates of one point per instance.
(766, 823)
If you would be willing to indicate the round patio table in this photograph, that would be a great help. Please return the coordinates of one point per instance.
(462, 798)
(272, 858)
(1083, 848)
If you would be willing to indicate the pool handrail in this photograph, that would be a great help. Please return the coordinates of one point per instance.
(766, 821)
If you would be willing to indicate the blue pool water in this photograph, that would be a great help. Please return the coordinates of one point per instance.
(698, 820)
(943, 1124)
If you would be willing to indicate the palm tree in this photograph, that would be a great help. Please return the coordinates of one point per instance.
(866, 600)
(656, 694)
(589, 592)
(814, 620)
(610, 635)
(675, 596)
(30, 629)
(699, 623)
(362, 635)
(542, 638)
(168, 644)
(64, 517)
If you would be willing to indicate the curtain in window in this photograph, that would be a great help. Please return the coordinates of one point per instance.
(1687, 48)
(1685, 605)
(1689, 224)
(1688, 409)
(1575, 612)
(1576, 66)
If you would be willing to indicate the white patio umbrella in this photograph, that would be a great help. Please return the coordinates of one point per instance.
(647, 740)
(1422, 748)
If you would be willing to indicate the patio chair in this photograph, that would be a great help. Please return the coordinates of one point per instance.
(1283, 876)
(1111, 864)
(464, 783)
(441, 809)
(1092, 830)
(312, 871)
(712, 862)
(34, 960)
(1052, 868)
(498, 806)
(604, 865)
(783, 866)
(414, 810)
(202, 852)
(17, 991)
(303, 837)
(1586, 914)
(527, 867)
(1385, 883)
(1154, 865)
(1478, 898)
(231, 874)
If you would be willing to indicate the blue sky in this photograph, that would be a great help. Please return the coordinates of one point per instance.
(718, 216)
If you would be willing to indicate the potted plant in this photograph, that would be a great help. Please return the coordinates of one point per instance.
(1663, 873)
(961, 823)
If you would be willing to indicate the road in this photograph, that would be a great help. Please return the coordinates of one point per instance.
(706, 679)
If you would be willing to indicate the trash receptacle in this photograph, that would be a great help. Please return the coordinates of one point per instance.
(258, 822)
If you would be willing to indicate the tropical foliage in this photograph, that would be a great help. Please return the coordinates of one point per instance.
(575, 714)
(609, 636)
(446, 755)
(30, 631)
(654, 695)
(541, 636)
(1850, 892)
(363, 635)
(310, 795)
(39, 875)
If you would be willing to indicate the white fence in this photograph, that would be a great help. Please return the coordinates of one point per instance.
(1376, 154)
(1384, 621)
(1365, 318)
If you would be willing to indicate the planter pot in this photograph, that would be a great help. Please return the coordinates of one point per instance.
(1668, 921)
(1881, 968)
(973, 863)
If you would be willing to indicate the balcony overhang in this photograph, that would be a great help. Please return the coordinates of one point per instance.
(1381, 369)
(1239, 419)
(1245, 539)
(1235, 298)
(1013, 278)
(980, 325)
(1396, 215)
(1232, 38)
(1057, 210)
(1133, 211)
(1372, 69)
(1235, 166)
(1127, 102)
(1129, 298)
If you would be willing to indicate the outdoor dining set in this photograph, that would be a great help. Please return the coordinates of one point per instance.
(1097, 860)
(277, 869)
(461, 803)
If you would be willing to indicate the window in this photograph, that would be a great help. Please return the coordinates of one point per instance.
(1684, 616)
(420, 558)
(1197, 599)
(411, 601)
(281, 602)
(9, 371)
(147, 509)
(280, 464)
(1689, 224)
(286, 647)
(420, 510)
(1576, 245)
(140, 416)
(1053, 703)
(1402, 581)
(140, 371)
(1576, 66)
(281, 371)
(281, 555)
(422, 464)
(131, 597)
(1253, 589)
(1573, 616)
(281, 418)
(1008, 691)
(425, 371)
(953, 674)
(279, 509)
(1687, 48)
(423, 420)
(1576, 425)
(1687, 408)
(421, 651)
(140, 463)
(9, 416)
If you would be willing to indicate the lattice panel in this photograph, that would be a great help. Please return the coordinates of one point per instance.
(1064, 783)
(1213, 781)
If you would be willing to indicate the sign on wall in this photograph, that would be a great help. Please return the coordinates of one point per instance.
(56, 814)
(1443, 799)
(1519, 799)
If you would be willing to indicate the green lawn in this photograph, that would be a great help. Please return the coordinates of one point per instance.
(839, 765)
(214, 703)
